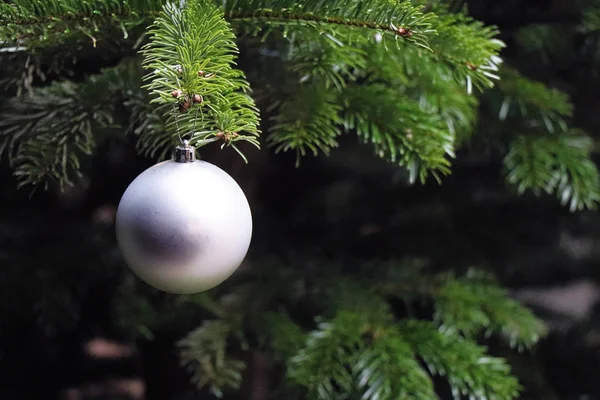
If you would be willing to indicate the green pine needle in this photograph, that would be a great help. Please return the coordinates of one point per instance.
(524, 98)
(41, 23)
(46, 133)
(204, 354)
(386, 368)
(398, 19)
(308, 122)
(557, 164)
(400, 130)
(469, 370)
(475, 303)
(347, 355)
(432, 84)
(190, 60)
(322, 366)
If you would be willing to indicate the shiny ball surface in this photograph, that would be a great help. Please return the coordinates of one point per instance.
(184, 227)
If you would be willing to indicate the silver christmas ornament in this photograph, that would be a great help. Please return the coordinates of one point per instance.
(184, 225)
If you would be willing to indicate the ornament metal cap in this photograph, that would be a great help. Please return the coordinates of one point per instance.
(184, 153)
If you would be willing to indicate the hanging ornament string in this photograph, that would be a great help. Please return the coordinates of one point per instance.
(175, 114)
(195, 121)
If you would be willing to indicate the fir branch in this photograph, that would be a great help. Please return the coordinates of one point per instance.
(308, 121)
(323, 365)
(524, 98)
(387, 369)
(476, 303)
(557, 164)
(204, 354)
(400, 130)
(45, 134)
(454, 39)
(37, 22)
(430, 83)
(400, 19)
(153, 138)
(349, 355)
(316, 56)
(469, 46)
(190, 57)
(468, 369)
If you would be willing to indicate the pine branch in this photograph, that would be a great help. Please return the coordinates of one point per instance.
(153, 138)
(35, 23)
(190, 57)
(353, 355)
(309, 121)
(555, 164)
(470, 47)
(387, 369)
(398, 19)
(469, 370)
(400, 130)
(320, 57)
(454, 39)
(45, 134)
(322, 366)
(524, 98)
(430, 83)
(475, 303)
(204, 354)
(348, 355)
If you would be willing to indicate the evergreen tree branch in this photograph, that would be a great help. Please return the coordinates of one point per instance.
(322, 366)
(308, 121)
(469, 370)
(524, 98)
(36, 23)
(400, 19)
(469, 46)
(425, 81)
(190, 57)
(555, 164)
(349, 355)
(360, 350)
(476, 303)
(320, 57)
(387, 369)
(399, 129)
(455, 39)
(46, 133)
(204, 354)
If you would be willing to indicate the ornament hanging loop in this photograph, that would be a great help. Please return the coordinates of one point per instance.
(184, 153)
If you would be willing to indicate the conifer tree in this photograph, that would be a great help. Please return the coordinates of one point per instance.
(412, 79)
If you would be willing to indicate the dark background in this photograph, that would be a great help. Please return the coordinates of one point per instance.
(347, 206)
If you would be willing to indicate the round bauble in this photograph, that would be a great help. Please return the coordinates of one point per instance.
(184, 226)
